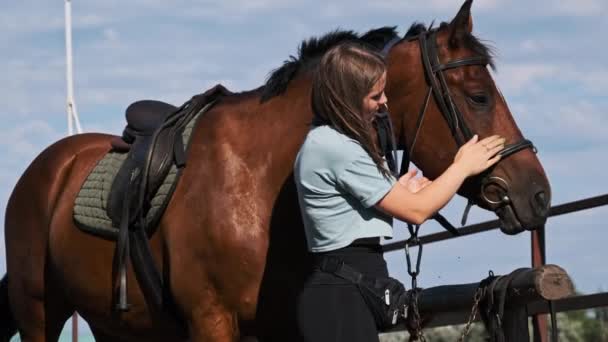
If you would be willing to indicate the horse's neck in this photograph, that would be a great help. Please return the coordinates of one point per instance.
(282, 123)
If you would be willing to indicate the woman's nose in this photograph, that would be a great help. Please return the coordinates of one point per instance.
(383, 100)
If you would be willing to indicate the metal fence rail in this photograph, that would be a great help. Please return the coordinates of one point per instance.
(536, 309)
(561, 209)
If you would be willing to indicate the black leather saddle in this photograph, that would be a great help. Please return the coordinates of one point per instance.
(147, 150)
(154, 143)
(144, 117)
(153, 139)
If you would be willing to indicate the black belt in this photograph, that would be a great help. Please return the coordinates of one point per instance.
(334, 265)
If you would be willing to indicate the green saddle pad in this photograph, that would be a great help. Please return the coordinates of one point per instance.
(90, 206)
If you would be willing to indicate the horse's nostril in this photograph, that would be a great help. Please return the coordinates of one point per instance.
(540, 198)
(540, 204)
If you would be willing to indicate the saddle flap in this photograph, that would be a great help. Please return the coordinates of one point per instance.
(116, 198)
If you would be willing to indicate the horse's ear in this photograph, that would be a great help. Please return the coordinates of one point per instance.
(462, 24)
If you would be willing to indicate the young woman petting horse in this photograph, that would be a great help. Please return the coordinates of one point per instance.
(347, 194)
(230, 246)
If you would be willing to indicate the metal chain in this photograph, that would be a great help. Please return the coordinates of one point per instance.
(417, 320)
(419, 335)
(476, 299)
(414, 240)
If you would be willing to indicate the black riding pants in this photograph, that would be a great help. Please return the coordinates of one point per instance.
(331, 308)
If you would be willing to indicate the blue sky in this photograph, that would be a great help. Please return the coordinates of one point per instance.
(551, 68)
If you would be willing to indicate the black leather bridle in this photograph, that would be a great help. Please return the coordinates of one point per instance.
(437, 86)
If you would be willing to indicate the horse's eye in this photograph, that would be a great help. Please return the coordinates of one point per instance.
(480, 99)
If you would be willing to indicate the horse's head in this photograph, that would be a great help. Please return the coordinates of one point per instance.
(440, 93)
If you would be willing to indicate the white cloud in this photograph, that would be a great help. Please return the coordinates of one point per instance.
(517, 78)
(29, 22)
(31, 85)
(442, 10)
(595, 81)
(564, 121)
(110, 35)
(544, 8)
(582, 119)
(557, 100)
(575, 174)
(31, 16)
(443, 6)
(24, 140)
(530, 45)
(580, 7)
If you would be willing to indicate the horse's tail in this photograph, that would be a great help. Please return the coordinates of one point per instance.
(8, 326)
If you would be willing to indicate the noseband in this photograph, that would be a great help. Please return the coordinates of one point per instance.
(437, 86)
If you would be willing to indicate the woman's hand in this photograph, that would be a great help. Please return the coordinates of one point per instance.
(476, 156)
(414, 184)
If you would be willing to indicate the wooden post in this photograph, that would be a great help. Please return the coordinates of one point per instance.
(452, 304)
(548, 282)
(539, 322)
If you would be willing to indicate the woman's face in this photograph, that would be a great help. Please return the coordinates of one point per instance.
(375, 99)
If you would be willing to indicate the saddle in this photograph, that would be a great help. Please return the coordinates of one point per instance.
(154, 145)
(143, 119)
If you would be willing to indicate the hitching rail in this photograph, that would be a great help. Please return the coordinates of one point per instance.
(561, 209)
(534, 308)
(451, 304)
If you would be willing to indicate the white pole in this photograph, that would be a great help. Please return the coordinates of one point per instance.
(71, 109)
(71, 104)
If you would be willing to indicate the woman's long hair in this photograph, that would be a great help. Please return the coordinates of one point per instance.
(346, 74)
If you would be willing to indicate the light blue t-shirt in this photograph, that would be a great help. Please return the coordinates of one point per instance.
(338, 185)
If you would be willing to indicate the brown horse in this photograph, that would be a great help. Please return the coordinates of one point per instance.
(230, 246)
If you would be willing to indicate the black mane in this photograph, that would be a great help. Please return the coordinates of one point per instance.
(311, 50)
(416, 29)
(469, 41)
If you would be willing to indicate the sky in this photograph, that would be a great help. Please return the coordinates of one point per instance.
(551, 68)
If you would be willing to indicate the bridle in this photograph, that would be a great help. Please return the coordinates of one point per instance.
(437, 86)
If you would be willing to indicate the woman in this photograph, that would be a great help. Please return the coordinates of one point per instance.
(348, 197)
